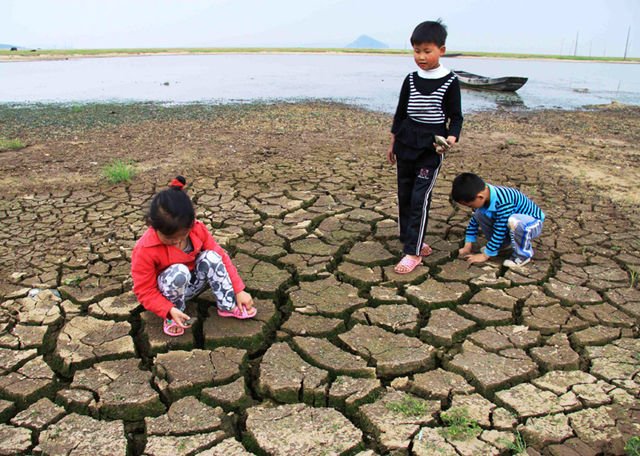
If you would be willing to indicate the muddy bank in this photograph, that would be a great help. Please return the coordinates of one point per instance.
(345, 357)
(69, 145)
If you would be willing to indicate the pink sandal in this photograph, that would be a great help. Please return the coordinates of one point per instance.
(170, 324)
(425, 250)
(240, 312)
(407, 265)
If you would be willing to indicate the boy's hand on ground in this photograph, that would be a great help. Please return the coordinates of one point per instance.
(178, 316)
(466, 250)
(244, 299)
(477, 258)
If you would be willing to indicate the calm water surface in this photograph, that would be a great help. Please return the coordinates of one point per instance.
(371, 81)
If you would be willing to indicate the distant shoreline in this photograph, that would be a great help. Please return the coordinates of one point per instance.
(38, 55)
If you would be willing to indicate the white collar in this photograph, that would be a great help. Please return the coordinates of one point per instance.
(436, 73)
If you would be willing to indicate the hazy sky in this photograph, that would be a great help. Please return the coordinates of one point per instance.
(540, 26)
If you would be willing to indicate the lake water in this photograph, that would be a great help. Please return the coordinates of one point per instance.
(372, 81)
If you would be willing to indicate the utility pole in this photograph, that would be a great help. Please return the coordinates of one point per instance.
(627, 44)
(561, 46)
(575, 49)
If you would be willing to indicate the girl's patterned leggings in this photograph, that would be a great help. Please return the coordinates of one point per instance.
(178, 284)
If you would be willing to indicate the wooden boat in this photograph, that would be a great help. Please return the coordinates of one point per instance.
(504, 84)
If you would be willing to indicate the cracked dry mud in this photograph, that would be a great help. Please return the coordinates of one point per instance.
(345, 357)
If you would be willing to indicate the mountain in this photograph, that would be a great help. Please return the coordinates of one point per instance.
(366, 42)
(7, 46)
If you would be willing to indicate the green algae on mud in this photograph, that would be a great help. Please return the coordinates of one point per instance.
(63, 119)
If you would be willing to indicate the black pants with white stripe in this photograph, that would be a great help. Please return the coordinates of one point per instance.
(416, 179)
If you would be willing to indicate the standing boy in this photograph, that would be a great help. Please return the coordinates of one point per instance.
(429, 105)
(505, 215)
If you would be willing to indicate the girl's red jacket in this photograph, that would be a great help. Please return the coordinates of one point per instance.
(150, 257)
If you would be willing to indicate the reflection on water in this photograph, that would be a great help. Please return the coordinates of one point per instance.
(372, 81)
(504, 99)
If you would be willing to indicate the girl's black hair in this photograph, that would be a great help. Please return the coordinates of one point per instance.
(171, 210)
(466, 187)
(430, 32)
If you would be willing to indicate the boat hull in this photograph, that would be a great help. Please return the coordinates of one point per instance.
(503, 84)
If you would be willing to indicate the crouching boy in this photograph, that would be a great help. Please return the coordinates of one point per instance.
(506, 216)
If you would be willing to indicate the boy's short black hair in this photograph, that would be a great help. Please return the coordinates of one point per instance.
(430, 32)
(466, 187)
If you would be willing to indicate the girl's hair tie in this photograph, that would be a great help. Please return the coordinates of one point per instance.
(176, 184)
(171, 210)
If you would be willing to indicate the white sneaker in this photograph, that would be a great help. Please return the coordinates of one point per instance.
(516, 262)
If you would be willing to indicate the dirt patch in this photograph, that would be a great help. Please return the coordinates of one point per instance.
(596, 146)
(68, 146)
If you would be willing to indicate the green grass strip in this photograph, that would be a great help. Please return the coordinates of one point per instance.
(11, 144)
(245, 50)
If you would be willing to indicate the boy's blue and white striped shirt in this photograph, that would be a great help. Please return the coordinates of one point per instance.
(504, 202)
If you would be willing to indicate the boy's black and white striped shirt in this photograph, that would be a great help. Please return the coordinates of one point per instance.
(450, 104)
(427, 108)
